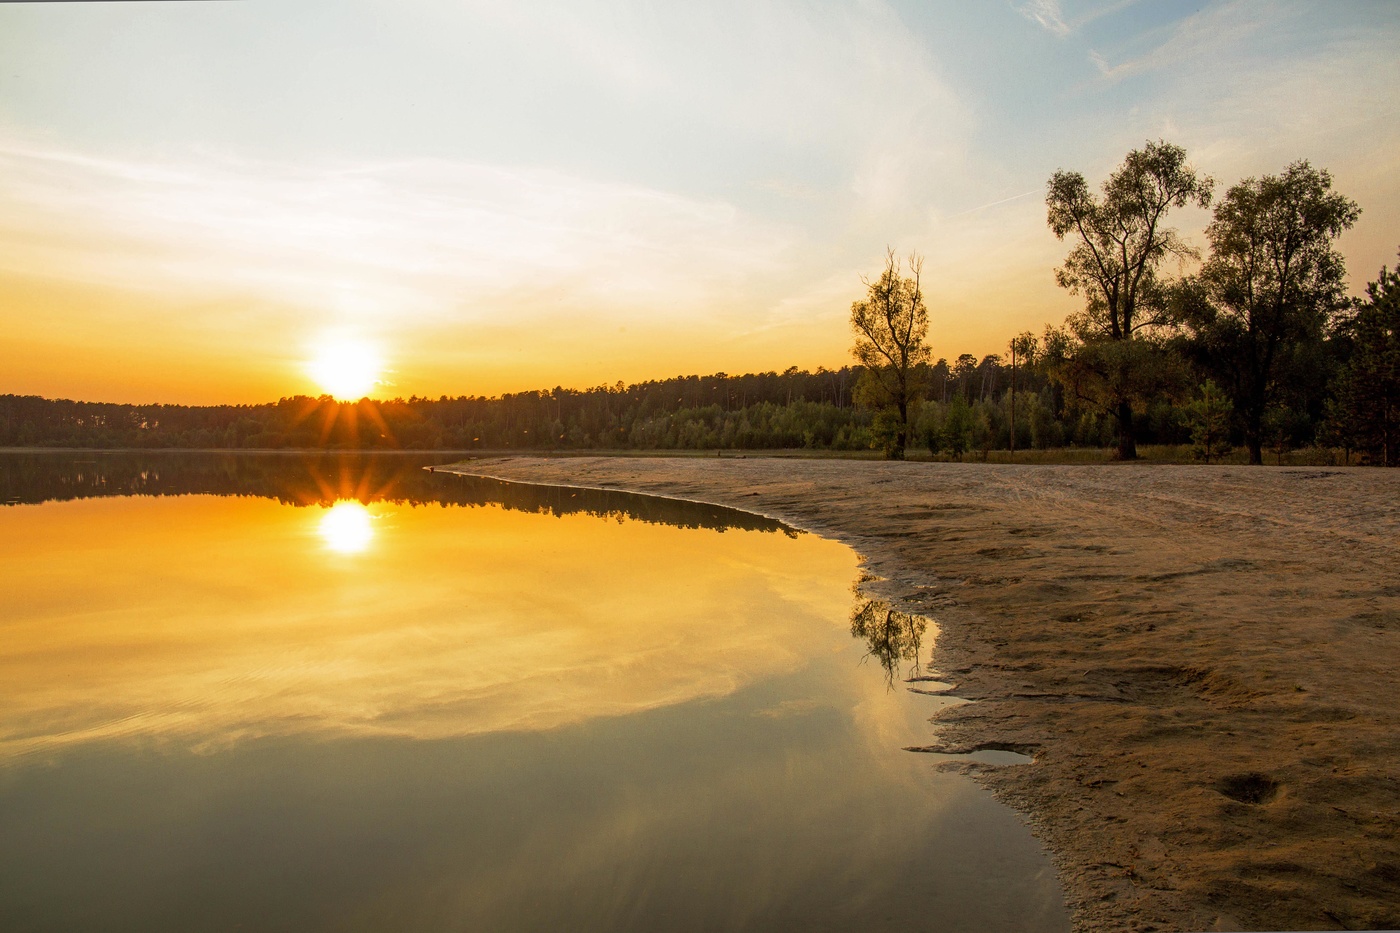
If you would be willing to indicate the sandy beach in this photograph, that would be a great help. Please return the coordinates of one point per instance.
(1203, 661)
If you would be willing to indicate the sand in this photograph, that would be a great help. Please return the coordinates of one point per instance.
(1203, 661)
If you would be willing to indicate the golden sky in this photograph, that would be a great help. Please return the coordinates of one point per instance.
(197, 198)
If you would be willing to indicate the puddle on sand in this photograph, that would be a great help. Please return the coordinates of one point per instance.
(986, 756)
(895, 639)
(459, 705)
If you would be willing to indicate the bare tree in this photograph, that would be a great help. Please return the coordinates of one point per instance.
(891, 328)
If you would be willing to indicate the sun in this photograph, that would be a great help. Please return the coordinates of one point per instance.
(347, 369)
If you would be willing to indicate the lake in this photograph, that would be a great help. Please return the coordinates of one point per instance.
(280, 692)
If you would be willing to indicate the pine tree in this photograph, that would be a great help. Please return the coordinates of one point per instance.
(1210, 419)
(1365, 413)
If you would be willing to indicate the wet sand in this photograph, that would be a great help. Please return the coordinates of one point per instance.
(1203, 661)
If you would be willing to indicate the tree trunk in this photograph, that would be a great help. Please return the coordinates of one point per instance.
(1013, 400)
(1127, 445)
(1254, 434)
(901, 435)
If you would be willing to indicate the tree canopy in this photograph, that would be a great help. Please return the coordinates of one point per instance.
(1273, 281)
(1365, 413)
(1120, 241)
(891, 328)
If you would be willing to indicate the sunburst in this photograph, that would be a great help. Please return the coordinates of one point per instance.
(346, 369)
(347, 528)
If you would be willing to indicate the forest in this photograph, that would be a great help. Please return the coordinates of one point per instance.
(1253, 344)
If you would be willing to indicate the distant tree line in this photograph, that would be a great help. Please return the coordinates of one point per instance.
(792, 409)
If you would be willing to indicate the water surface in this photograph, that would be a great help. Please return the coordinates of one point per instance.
(276, 693)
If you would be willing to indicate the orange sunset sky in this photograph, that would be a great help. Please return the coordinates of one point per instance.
(197, 200)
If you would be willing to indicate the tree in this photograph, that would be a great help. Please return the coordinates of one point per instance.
(891, 328)
(1273, 282)
(964, 369)
(955, 433)
(1120, 242)
(1366, 409)
(1210, 422)
(1025, 346)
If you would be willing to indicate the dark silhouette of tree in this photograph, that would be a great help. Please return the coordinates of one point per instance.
(1365, 413)
(891, 327)
(1120, 242)
(964, 371)
(1273, 282)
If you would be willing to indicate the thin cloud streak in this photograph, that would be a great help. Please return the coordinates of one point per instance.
(1014, 197)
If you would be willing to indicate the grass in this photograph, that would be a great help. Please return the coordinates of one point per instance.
(1152, 453)
(1064, 456)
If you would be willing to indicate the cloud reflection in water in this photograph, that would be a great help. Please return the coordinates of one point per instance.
(207, 620)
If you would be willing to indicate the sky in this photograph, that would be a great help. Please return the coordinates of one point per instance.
(198, 199)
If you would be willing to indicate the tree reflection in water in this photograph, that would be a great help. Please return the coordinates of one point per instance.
(891, 636)
(323, 479)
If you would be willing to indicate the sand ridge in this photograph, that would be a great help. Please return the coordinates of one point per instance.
(1204, 661)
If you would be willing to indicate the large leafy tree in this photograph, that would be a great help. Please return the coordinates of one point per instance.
(1121, 241)
(1365, 412)
(891, 329)
(1273, 283)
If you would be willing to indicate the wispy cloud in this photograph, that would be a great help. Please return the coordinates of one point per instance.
(374, 240)
(840, 111)
(1047, 14)
(1250, 85)
(1193, 37)
(1050, 16)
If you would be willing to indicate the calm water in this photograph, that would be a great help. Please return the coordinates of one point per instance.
(271, 693)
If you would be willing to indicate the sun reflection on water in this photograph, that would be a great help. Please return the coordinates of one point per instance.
(347, 528)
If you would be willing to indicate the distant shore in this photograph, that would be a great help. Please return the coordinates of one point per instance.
(1204, 661)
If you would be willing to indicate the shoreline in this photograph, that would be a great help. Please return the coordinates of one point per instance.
(1202, 661)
